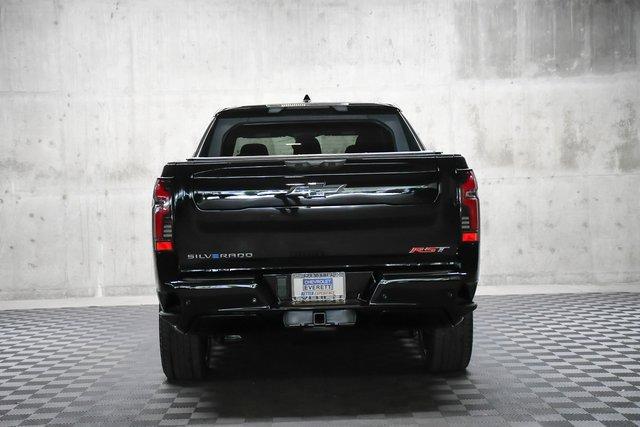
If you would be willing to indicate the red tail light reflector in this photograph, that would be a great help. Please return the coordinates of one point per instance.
(164, 246)
(162, 218)
(470, 237)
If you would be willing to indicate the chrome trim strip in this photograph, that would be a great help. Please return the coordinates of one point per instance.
(181, 285)
(300, 190)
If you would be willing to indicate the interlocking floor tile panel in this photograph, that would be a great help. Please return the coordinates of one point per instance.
(563, 359)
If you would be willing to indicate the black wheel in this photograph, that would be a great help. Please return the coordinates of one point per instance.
(448, 349)
(182, 355)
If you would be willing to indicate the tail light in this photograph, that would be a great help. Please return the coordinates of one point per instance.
(162, 221)
(470, 207)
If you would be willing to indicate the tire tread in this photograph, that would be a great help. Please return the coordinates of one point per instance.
(182, 355)
(448, 349)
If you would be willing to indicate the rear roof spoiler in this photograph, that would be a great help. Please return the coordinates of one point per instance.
(322, 107)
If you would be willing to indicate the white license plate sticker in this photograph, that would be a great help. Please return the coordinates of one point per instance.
(318, 287)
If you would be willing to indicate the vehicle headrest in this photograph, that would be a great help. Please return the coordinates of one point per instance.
(307, 145)
(373, 141)
(254, 150)
(351, 149)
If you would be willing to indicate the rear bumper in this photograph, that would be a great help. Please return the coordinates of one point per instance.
(234, 304)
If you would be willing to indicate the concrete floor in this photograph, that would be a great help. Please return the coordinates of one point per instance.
(555, 359)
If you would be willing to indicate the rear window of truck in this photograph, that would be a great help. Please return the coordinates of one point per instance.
(281, 136)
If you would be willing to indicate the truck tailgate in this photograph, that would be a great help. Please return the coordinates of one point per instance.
(316, 212)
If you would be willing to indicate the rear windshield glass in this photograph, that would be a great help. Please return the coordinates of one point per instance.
(309, 138)
(281, 137)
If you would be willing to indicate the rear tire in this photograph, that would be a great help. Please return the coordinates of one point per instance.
(182, 355)
(448, 349)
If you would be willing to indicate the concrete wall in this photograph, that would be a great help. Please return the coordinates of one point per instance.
(543, 97)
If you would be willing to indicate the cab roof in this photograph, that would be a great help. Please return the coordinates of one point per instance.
(302, 108)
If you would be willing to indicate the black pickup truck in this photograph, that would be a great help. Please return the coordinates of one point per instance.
(319, 216)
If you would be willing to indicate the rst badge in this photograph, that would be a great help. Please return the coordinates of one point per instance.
(428, 249)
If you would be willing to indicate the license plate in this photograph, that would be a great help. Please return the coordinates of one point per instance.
(318, 287)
